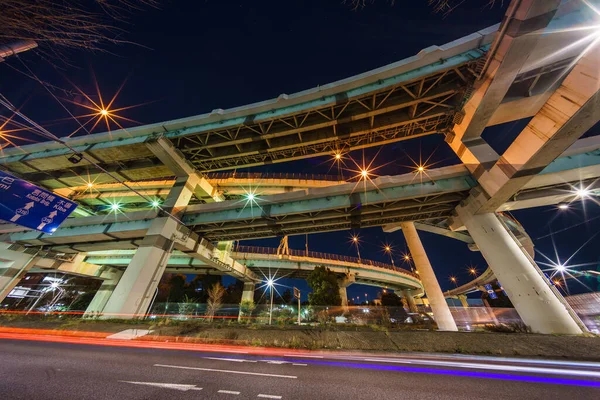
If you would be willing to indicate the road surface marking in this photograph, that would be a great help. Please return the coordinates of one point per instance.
(229, 359)
(299, 365)
(268, 396)
(493, 367)
(226, 371)
(301, 355)
(174, 386)
(228, 392)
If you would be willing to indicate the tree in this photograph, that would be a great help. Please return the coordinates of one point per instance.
(177, 287)
(286, 296)
(325, 288)
(66, 24)
(215, 300)
(390, 299)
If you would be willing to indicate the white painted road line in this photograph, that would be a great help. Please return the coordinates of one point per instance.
(301, 356)
(174, 386)
(299, 365)
(492, 367)
(226, 371)
(229, 359)
(228, 392)
(268, 396)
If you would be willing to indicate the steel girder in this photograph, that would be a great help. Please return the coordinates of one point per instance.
(422, 106)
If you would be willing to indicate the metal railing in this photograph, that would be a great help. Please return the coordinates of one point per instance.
(324, 256)
(277, 175)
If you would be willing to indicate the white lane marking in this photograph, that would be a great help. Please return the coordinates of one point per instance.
(268, 396)
(228, 392)
(301, 355)
(510, 368)
(226, 371)
(229, 359)
(174, 386)
(299, 365)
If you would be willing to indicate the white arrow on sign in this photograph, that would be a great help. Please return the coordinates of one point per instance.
(174, 386)
(47, 220)
(22, 211)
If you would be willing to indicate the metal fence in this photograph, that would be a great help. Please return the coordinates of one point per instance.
(324, 256)
(278, 175)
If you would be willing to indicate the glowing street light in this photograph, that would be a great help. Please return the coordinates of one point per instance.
(388, 249)
(338, 156)
(90, 185)
(582, 192)
(364, 173)
(356, 243)
(270, 284)
(155, 203)
(454, 280)
(563, 206)
(104, 112)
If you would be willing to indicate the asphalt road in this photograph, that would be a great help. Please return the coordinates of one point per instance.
(42, 370)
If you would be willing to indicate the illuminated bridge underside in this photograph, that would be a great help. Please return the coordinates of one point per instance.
(409, 98)
(394, 199)
(351, 205)
(266, 261)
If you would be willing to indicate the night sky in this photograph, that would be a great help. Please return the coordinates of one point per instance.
(194, 57)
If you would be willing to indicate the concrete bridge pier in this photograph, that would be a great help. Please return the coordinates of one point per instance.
(136, 288)
(439, 307)
(463, 300)
(344, 281)
(13, 267)
(410, 301)
(247, 295)
(538, 305)
(111, 278)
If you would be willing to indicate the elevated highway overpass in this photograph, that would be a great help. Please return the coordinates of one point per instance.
(531, 65)
(297, 264)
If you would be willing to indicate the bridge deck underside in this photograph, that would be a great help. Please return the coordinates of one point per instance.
(410, 108)
(355, 216)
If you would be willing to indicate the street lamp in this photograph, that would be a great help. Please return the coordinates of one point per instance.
(388, 249)
(453, 280)
(270, 284)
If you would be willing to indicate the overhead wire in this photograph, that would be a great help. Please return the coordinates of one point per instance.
(40, 130)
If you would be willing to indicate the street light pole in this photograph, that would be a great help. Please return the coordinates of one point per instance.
(270, 283)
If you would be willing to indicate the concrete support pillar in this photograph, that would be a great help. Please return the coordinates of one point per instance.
(539, 307)
(463, 300)
(136, 288)
(13, 267)
(111, 278)
(490, 310)
(343, 282)
(439, 307)
(344, 297)
(410, 301)
(248, 293)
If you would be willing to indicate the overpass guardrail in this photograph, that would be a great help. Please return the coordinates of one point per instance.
(325, 256)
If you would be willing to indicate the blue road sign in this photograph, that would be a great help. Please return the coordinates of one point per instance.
(490, 290)
(30, 206)
(501, 288)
